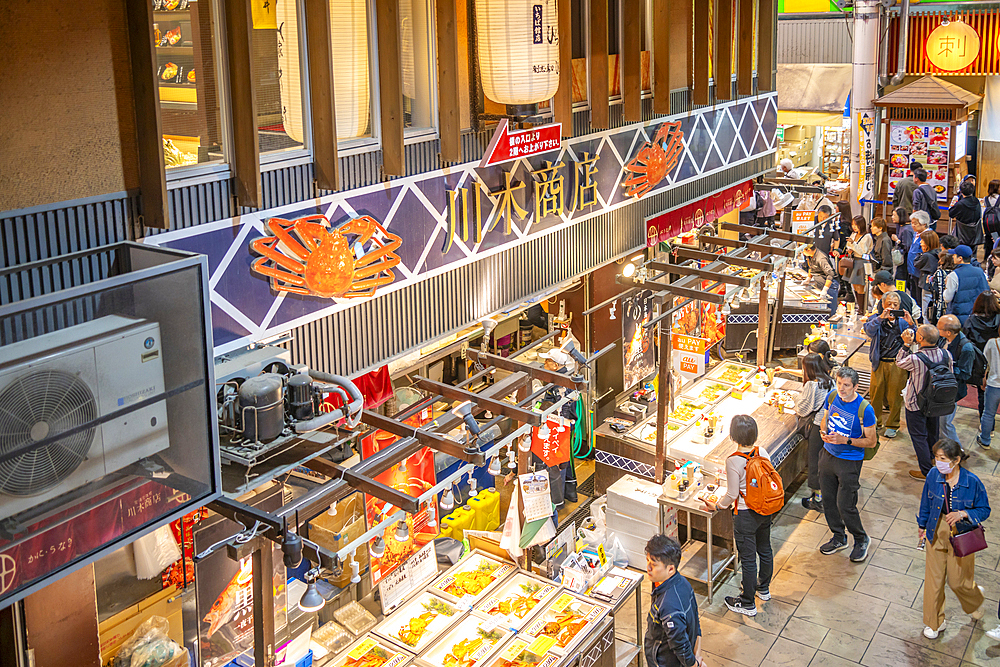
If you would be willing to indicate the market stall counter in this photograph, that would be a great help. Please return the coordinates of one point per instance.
(722, 393)
(486, 612)
(802, 308)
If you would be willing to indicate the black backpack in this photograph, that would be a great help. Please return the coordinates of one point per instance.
(980, 369)
(991, 218)
(940, 391)
(931, 204)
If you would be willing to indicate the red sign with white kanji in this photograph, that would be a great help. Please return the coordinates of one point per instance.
(555, 449)
(506, 146)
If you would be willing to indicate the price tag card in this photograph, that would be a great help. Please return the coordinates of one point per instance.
(541, 645)
(561, 602)
(602, 555)
(361, 649)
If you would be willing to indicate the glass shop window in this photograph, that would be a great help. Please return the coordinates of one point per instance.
(277, 48)
(185, 33)
(352, 37)
(416, 19)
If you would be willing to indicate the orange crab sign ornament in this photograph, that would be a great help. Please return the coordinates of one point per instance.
(654, 160)
(309, 255)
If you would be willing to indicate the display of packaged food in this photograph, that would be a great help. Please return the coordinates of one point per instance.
(355, 618)
(416, 625)
(168, 72)
(190, 76)
(332, 636)
(686, 411)
(370, 651)
(566, 619)
(471, 577)
(516, 653)
(515, 599)
(467, 644)
(706, 391)
(731, 373)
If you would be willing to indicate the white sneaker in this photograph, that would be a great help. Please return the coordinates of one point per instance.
(977, 615)
(994, 633)
(931, 633)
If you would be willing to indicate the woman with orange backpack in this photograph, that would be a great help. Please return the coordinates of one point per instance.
(755, 487)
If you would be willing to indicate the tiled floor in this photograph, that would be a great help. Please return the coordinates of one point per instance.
(829, 612)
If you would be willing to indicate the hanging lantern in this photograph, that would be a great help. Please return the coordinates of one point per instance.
(349, 46)
(518, 50)
(952, 46)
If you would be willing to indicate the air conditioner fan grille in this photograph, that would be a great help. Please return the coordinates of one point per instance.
(32, 408)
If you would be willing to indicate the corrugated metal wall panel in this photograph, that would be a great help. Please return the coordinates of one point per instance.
(401, 322)
(825, 40)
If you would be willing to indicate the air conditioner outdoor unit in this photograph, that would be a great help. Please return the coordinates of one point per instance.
(55, 382)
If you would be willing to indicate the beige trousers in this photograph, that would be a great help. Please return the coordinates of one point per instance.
(941, 562)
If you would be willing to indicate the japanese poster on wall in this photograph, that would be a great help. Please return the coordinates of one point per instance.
(928, 144)
(711, 324)
(637, 340)
(224, 592)
(414, 477)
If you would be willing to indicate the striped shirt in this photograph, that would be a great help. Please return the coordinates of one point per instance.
(908, 361)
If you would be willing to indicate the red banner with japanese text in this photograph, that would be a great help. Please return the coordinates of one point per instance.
(554, 449)
(686, 218)
(55, 543)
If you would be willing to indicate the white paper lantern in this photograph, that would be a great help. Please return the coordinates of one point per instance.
(351, 81)
(518, 49)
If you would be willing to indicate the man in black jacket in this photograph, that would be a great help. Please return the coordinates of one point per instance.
(963, 356)
(968, 214)
(673, 629)
(925, 197)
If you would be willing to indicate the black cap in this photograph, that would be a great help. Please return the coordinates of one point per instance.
(883, 278)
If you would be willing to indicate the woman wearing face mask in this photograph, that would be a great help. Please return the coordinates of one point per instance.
(953, 499)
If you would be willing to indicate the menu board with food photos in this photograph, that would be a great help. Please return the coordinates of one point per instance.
(928, 144)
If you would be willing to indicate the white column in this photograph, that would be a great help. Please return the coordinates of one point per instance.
(865, 74)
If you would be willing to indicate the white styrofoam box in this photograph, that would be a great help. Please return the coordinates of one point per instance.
(623, 523)
(636, 498)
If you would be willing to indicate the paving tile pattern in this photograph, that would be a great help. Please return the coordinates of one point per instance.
(826, 611)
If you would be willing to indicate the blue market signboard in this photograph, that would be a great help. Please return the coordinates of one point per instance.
(281, 268)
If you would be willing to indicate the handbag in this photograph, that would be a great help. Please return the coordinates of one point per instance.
(969, 542)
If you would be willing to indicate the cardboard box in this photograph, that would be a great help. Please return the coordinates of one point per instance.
(115, 631)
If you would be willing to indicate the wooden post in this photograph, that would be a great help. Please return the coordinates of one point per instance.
(663, 395)
(762, 325)
(562, 103)
(390, 86)
(449, 109)
(263, 604)
(630, 50)
(779, 311)
(724, 50)
(148, 126)
(701, 51)
(661, 52)
(321, 95)
(600, 111)
(767, 33)
(243, 104)
(744, 59)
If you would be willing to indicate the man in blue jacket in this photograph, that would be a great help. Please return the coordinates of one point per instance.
(673, 629)
(919, 221)
(886, 333)
(964, 284)
(963, 357)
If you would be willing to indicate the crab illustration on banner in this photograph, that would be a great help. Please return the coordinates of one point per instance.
(654, 160)
(309, 255)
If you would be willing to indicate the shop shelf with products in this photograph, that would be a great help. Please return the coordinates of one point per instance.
(182, 34)
(836, 151)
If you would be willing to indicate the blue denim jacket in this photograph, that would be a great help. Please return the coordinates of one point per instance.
(969, 495)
